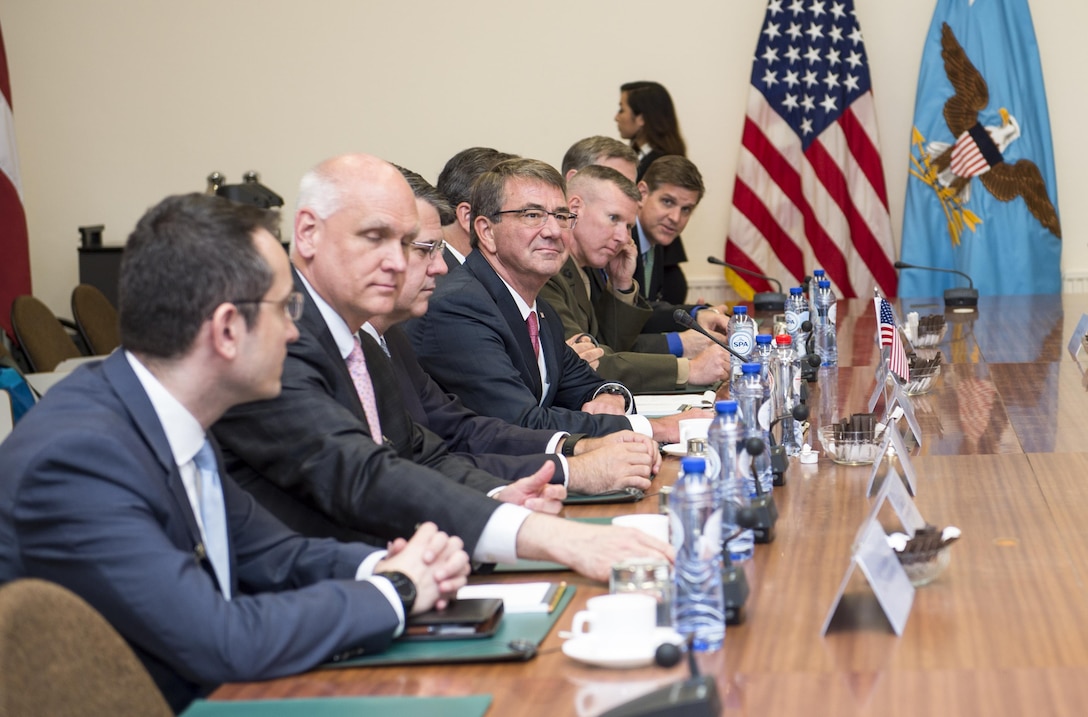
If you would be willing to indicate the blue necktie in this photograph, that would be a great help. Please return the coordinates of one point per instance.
(213, 514)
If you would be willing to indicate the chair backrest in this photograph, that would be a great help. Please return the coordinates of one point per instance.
(96, 318)
(60, 657)
(40, 334)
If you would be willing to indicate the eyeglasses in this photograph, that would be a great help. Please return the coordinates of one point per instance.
(430, 248)
(292, 305)
(537, 217)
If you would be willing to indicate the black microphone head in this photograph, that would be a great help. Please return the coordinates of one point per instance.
(668, 654)
(747, 517)
(715, 260)
(683, 318)
(902, 265)
(800, 412)
(806, 326)
(754, 446)
(814, 360)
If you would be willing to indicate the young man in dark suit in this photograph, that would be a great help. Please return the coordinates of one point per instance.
(112, 489)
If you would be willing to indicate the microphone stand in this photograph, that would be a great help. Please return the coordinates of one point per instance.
(773, 301)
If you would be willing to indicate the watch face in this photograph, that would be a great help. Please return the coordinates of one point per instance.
(406, 589)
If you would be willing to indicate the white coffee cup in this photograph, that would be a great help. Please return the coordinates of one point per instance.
(653, 524)
(693, 428)
(618, 620)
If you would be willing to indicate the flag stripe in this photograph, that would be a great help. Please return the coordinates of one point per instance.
(862, 147)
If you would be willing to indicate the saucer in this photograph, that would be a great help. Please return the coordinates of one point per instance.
(675, 449)
(591, 651)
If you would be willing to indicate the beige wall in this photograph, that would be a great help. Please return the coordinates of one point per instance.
(120, 102)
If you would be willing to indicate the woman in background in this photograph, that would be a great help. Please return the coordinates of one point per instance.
(647, 119)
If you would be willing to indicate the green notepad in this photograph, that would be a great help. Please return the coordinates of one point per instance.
(516, 639)
(471, 706)
(544, 566)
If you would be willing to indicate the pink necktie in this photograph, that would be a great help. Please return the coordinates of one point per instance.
(365, 388)
(534, 331)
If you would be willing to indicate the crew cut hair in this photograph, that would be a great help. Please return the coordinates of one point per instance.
(592, 150)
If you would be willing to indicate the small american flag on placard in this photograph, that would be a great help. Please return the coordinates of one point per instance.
(889, 336)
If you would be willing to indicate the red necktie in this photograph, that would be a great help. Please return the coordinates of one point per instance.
(534, 331)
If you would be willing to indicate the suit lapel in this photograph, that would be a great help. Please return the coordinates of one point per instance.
(525, 358)
(130, 392)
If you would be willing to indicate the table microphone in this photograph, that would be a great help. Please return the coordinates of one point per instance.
(954, 296)
(684, 319)
(763, 300)
(696, 696)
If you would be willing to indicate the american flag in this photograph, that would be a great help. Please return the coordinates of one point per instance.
(15, 267)
(809, 189)
(889, 336)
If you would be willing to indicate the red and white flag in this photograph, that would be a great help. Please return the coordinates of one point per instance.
(14, 247)
(809, 190)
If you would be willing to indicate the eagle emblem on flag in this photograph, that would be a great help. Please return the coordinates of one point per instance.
(977, 152)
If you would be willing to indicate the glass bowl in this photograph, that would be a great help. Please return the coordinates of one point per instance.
(922, 380)
(849, 449)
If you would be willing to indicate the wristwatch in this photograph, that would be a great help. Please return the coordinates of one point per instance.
(570, 442)
(406, 589)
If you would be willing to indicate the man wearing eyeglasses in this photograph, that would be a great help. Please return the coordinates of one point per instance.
(112, 488)
(489, 340)
(336, 453)
(620, 460)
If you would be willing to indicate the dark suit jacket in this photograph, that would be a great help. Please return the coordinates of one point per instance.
(91, 498)
(491, 444)
(308, 455)
(641, 372)
(474, 343)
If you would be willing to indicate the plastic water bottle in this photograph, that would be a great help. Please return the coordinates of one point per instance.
(818, 275)
(796, 315)
(733, 494)
(786, 391)
(742, 339)
(696, 524)
(826, 343)
(764, 354)
(754, 418)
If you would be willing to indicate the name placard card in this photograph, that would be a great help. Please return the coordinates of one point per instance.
(893, 438)
(1080, 337)
(881, 382)
(883, 572)
(895, 492)
(901, 399)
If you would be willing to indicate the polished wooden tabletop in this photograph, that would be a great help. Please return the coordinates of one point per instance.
(1004, 631)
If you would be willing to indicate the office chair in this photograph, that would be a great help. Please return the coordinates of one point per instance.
(60, 657)
(96, 319)
(40, 334)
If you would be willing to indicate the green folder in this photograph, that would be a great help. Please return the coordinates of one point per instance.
(471, 706)
(543, 566)
(516, 639)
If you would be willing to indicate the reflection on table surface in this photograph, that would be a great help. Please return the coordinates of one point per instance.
(1004, 631)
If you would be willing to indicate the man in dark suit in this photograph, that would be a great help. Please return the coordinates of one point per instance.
(671, 190)
(330, 455)
(590, 465)
(606, 203)
(111, 488)
(488, 338)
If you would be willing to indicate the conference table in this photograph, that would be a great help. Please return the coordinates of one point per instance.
(1003, 631)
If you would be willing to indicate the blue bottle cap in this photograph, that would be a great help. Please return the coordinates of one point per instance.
(764, 338)
(692, 464)
(750, 368)
(726, 406)
(796, 290)
(742, 309)
(823, 284)
(819, 273)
